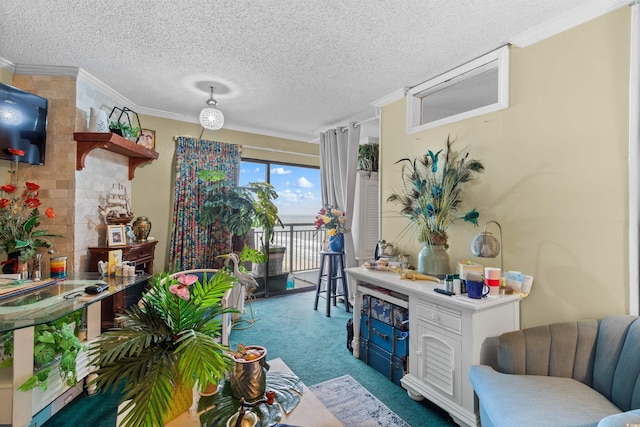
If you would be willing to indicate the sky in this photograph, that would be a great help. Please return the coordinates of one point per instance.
(298, 188)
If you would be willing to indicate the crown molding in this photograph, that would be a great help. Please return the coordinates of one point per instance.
(388, 99)
(47, 70)
(105, 89)
(570, 19)
(227, 125)
(275, 134)
(8, 65)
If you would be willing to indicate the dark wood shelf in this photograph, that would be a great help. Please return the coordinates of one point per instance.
(89, 141)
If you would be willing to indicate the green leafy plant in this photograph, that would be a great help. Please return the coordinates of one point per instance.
(238, 208)
(368, 156)
(125, 130)
(52, 341)
(431, 192)
(169, 339)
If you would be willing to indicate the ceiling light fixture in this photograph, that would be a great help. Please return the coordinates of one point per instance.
(210, 117)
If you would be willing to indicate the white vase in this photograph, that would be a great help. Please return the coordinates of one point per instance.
(433, 260)
(98, 121)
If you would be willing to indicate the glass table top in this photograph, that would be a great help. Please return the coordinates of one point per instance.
(53, 301)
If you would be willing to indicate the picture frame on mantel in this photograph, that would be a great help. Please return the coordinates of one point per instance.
(116, 235)
(147, 139)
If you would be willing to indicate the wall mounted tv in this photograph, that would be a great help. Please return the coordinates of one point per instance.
(23, 124)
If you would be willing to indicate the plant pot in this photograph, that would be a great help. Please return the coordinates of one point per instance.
(433, 260)
(181, 400)
(276, 260)
(249, 377)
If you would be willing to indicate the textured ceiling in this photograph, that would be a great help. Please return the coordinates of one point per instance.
(281, 67)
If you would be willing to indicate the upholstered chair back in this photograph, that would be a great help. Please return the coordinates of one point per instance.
(603, 354)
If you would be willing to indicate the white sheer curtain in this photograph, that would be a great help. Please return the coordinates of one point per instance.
(338, 166)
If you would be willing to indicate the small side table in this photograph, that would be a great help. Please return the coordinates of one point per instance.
(331, 271)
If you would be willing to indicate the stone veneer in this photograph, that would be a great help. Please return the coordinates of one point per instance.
(74, 195)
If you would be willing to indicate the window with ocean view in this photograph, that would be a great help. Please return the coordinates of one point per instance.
(298, 188)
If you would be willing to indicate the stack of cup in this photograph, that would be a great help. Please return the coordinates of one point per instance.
(492, 278)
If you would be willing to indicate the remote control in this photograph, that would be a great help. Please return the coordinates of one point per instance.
(96, 289)
(442, 291)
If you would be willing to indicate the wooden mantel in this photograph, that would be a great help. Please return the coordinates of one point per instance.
(89, 141)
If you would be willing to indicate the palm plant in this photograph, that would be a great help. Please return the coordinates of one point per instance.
(431, 195)
(169, 340)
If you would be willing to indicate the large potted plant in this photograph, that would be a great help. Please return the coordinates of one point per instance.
(169, 342)
(430, 197)
(239, 208)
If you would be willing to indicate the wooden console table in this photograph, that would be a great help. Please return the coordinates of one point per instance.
(445, 336)
(142, 253)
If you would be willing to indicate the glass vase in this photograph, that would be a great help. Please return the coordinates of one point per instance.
(433, 260)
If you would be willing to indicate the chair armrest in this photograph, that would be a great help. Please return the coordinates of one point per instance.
(624, 419)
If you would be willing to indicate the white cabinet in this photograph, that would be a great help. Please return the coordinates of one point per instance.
(365, 226)
(445, 336)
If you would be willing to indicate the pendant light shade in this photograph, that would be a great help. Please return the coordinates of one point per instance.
(210, 117)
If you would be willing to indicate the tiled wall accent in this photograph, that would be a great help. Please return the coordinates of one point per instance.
(103, 169)
(57, 176)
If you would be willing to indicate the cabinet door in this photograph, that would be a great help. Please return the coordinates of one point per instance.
(439, 361)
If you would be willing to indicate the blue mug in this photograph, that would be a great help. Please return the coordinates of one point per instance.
(477, 290)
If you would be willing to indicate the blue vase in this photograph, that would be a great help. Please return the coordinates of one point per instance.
(336, 243)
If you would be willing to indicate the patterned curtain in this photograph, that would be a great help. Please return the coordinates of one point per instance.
(192, 244)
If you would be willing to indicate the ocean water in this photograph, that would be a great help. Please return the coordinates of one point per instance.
(297, 219)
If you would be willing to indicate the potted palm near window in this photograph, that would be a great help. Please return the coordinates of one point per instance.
(167, 343)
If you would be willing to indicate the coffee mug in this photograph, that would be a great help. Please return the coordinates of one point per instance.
(477, 290)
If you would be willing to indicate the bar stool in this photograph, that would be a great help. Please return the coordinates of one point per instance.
(331, 271)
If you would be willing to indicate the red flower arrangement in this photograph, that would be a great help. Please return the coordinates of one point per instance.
(20, 216)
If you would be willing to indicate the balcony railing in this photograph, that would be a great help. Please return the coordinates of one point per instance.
(302, 242)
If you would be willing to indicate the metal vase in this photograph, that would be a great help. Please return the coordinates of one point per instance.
(249, 378)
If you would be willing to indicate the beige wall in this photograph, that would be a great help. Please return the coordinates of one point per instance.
(152, 187)
(556, 172)
(6, 76)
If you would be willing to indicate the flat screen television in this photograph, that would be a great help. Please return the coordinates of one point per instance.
(23, 124)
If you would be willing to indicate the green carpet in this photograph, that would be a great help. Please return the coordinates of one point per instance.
(315, 348)
(312, 345)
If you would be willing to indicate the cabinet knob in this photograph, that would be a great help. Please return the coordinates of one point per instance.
(434, 316)
(419, 353)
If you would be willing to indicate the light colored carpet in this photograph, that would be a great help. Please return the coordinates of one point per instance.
(353, 405)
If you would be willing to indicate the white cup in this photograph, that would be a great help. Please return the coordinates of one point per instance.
(492, 273)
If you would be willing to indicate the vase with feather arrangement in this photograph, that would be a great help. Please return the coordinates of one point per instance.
(430, 197)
